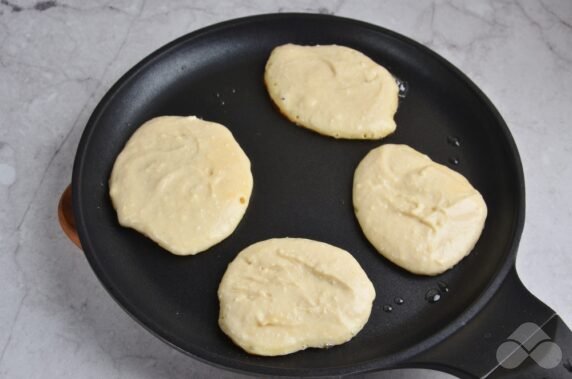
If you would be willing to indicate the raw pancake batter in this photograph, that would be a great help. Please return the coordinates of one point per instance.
(286, 294)
(183, 182)
(419, 214)
(333, 90)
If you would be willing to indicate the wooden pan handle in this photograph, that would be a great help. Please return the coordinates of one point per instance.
(66, 217)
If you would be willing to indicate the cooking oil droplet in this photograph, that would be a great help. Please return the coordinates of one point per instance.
(454, 160)
(444, 287)
(403, 87)
(433, 295)
(387, 308)
(398, 300)
(454, 141)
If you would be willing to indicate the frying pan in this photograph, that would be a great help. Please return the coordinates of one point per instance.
(302, 188)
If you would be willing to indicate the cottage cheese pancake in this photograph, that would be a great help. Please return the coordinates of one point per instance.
(183, 182)
(283, 295)
(333, 90)
(417, 213)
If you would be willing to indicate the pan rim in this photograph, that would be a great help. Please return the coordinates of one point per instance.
(393, 360)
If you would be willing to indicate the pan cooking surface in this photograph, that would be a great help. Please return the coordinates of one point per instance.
(302, 187)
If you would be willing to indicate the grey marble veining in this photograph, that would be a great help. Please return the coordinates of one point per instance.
(58, 58)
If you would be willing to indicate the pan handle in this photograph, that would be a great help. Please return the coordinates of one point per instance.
(66, 217)
(515, 335)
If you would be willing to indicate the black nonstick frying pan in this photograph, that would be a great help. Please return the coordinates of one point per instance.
(454, 322)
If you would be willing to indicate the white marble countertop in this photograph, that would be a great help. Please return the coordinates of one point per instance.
(57, 59)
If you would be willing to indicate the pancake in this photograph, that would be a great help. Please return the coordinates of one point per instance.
(283, 295)
(333, 90)
(183, 182)
(419, 214)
